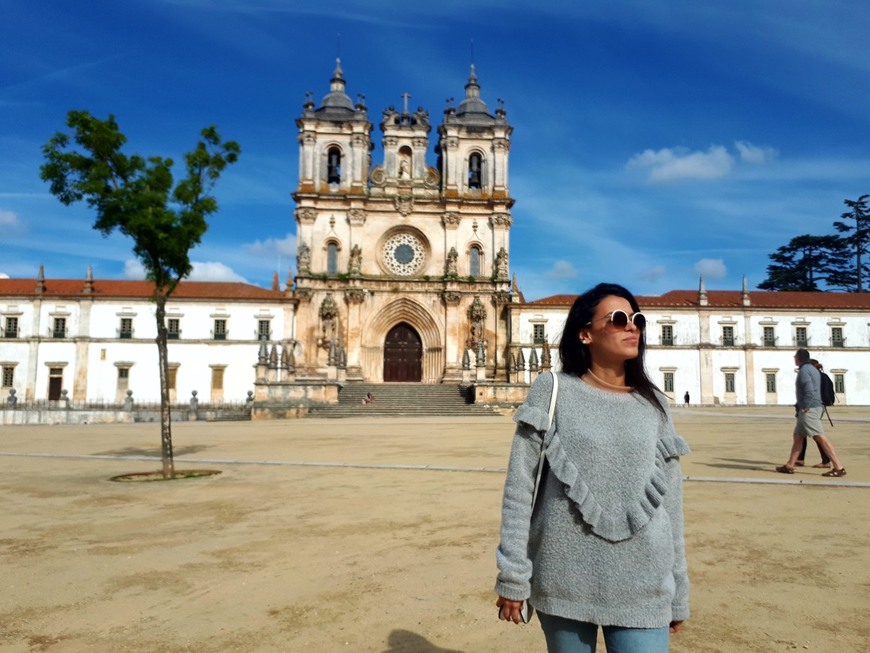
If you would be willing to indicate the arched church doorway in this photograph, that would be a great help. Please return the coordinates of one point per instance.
(403, 355)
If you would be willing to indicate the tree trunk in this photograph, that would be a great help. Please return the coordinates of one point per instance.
(163, 362)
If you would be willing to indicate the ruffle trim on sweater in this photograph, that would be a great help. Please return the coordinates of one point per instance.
(535, 417)
(621, 524)
(672, 446)
(615, 525)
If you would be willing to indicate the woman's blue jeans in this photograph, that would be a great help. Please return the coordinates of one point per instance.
(569, 636)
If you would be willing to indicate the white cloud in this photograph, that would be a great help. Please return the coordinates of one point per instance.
(133, 269)
(9, 221)
(273, 247)
(562, 270)
(202, 271)
(653, 274)
(755, 154)
(3, 275)
(671, 164)
(213, 271)
(711, 268)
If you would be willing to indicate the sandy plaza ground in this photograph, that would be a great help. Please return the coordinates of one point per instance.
(358, 535)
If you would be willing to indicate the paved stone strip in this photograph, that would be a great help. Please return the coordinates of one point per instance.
(431, 468)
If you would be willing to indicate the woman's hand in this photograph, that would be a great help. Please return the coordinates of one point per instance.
(509, 610)
(676, 626)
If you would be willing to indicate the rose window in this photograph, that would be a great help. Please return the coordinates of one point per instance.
(404, 254)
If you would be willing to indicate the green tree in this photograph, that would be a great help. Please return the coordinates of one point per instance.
(138, 197)
(851, 270)
(803, 263)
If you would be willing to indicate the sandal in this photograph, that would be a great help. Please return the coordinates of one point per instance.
(836, 473)
(785, 469)
(822, 465)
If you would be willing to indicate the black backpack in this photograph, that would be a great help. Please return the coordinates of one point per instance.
(827, 388)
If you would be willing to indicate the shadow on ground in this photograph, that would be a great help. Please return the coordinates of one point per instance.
(154, 452)
(404, 641)
(742, 465)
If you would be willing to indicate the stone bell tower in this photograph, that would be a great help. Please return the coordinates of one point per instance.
(402, 267)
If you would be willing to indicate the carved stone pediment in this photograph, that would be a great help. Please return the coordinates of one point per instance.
(354, 295)
(451, 297)
(450, 220)
(356, 217)
(502, 220)
(405, 204)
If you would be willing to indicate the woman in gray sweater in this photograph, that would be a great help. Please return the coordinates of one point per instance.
(604, 543)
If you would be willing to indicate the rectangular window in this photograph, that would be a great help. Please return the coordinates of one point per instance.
(837, 339)
(727, 336)
(839, 383)
(768, 339)
(123, 378)
(8, 376)
(474, 266)
(800, 337)
(770, 381)
(729, 382)
(538, 334)
(263, 330)
(667, 335)
(173, 328)
(11, 330)
(173, 376)
(669, 382)
(217, 378)
(220, 330)
(126, 330)
(59, 330)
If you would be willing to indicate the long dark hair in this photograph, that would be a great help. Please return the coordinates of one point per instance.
(575, 355)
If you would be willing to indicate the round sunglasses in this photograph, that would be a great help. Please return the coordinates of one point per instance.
(620, 318)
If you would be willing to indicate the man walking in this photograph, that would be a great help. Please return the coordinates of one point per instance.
(808, 411)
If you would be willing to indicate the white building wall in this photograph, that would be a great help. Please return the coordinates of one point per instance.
(749, 360)
(195, 354)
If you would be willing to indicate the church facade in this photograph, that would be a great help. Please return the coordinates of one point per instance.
(402, 267)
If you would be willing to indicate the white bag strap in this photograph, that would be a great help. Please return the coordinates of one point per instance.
(549, 426)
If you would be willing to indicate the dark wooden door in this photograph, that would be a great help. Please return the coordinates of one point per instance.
(403, 355)
(55, 384)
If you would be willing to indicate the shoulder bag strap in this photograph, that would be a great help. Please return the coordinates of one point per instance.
(549, 426)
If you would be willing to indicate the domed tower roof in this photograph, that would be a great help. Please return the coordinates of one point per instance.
(472, 107)
(336, 104)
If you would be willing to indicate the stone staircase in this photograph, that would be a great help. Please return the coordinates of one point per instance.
(403, 400)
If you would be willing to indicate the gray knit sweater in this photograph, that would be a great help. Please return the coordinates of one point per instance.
(605, 543)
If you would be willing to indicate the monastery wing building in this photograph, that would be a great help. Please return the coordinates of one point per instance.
(402, 276)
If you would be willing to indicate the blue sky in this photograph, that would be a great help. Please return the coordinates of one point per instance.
(654, 142)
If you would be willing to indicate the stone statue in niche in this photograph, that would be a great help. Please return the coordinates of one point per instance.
(477, 319)
(450, 268)
(354, 265)
(328, 320)
(303, 259)
(404, 172)
(501, 264)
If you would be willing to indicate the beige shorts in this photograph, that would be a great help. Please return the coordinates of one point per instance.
(809, 424)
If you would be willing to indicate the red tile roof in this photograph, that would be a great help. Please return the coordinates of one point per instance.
(26, 288)
(733, 299)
